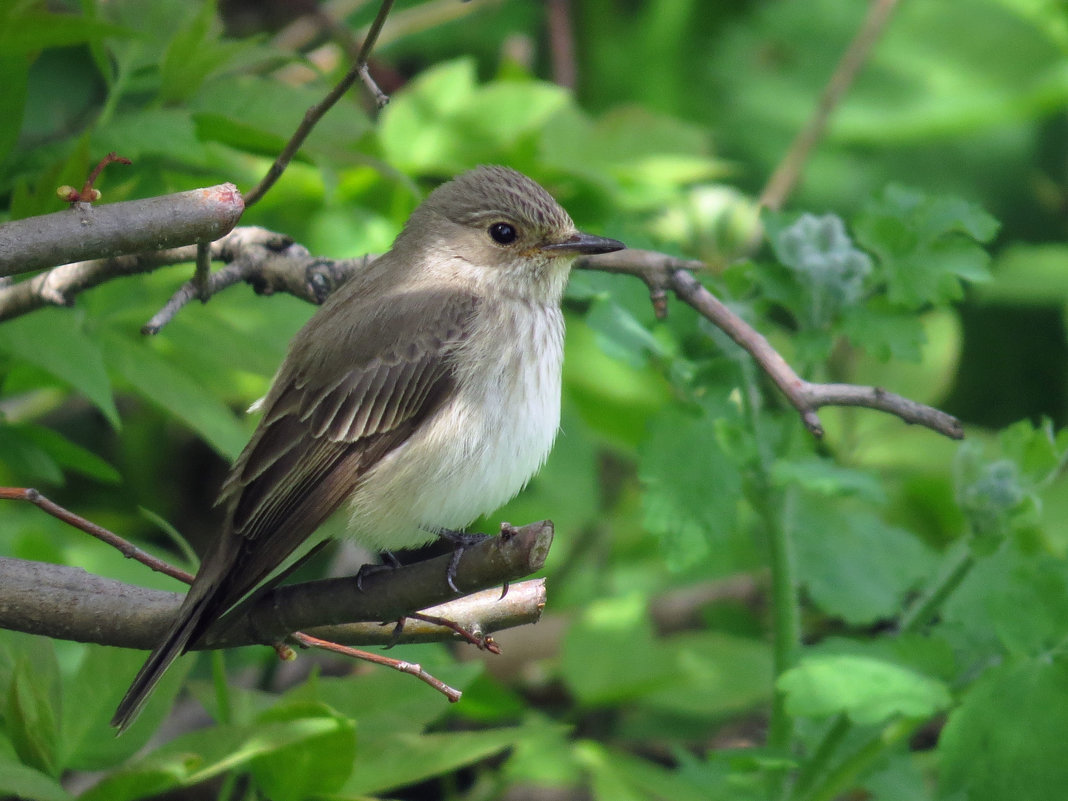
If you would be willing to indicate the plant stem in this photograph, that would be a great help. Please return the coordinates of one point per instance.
(776, 508)
(845, 775)
(958, 564)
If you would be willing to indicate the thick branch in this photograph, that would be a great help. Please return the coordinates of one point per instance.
(102, 231)
(68, 603)
(273, 263)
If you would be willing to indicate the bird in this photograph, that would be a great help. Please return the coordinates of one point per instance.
(423, 393)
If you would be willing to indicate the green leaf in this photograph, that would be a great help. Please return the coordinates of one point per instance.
(177, 392)
(201, 755)
(29, 32)
(1005, 740)
(396, 760)
(15, 67)
(854, 565)
(384, 701)
(31, 716)
(619, 776)
(926, 245)
(98, 684)
(54, 340)
(21, 781)
(869, 691)
(691, 487)
(824, 477)
(610, 655)
(137, 134)
(1011, 601)
(310, 766)
(259, 115)
(27, 461)
(444, 122)
(621, 335)
(67, 454)
(884, 331)
(194, 52)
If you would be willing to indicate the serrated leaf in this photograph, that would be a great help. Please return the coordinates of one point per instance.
(53, 340)
(824, 477)
(926, 245)
(854, 565)
(691, 487)
(1005, 740)
(870, 691)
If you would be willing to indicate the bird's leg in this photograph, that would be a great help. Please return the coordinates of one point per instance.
(389, 562)
(460, 541)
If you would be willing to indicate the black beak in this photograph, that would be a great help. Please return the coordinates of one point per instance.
(585, 244)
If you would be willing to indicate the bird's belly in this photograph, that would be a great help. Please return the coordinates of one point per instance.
(475, 452)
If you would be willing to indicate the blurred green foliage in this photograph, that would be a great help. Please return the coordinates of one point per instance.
(736, 611)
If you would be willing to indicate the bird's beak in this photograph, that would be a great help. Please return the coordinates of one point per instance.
(584, 244)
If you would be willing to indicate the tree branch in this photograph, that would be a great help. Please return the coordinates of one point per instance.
(662, 272)
(102, 231)
(312, 116)
(788, 172)
(68, 603)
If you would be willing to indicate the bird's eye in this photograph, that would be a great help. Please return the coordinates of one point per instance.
(503, 233)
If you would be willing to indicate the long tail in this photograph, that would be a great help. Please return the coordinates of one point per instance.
(187, 623)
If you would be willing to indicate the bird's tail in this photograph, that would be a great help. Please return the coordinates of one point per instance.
(187, 624)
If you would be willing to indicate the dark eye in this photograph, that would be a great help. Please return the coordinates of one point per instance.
(503, 233)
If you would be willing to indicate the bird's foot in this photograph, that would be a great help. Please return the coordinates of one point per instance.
(460, 541)
(389, 562)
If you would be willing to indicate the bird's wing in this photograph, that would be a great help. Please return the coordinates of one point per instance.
(342, 401)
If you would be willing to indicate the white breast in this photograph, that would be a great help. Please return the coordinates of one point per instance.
(483, 445)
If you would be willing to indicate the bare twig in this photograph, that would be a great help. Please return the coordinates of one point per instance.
(316, 112)
(88, 193)
(786, 175)
(411, 668)
(87, 231)
(123, 546)
(659, 273)
(562, 43)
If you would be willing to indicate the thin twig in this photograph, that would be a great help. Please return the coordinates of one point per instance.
(787, 174)
(316, 112)
(562, 43)
(123, 546)
(202, 273)
(660, 272)
(411, 668)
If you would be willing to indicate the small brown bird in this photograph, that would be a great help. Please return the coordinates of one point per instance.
(424, 393)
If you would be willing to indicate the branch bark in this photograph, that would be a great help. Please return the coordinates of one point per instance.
(68, 603)
(87, 231)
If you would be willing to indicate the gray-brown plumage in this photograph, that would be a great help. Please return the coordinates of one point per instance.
(423, 393)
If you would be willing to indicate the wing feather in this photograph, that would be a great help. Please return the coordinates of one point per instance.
(323, 427)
